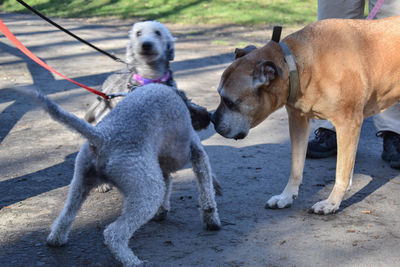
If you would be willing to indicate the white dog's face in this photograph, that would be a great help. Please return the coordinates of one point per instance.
(149, 41)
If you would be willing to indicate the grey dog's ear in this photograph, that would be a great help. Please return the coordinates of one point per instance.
(240, 52)
(265, 72)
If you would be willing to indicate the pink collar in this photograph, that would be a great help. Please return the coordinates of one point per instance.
(143, 81)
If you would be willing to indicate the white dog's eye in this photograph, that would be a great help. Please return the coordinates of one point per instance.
(158, 33)
(138, 33)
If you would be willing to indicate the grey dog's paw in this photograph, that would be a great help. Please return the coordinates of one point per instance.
(56, 240)
(211, 219)
(146, 264)
(160, 215)
(213, 226)
(103, 188)
(152, 264)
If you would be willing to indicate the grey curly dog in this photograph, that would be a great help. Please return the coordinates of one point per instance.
(135, 147)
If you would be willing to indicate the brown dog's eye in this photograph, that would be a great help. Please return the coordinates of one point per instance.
(138, 33)
(228, 103)
(158, 33)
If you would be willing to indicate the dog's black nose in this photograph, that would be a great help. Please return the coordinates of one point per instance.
(239, 136)
(147, 46)
(213, 117)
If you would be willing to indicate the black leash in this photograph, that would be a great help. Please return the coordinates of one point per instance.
(68, 32)
(276, 33)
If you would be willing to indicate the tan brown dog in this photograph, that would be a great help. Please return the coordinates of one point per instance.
(348, 70)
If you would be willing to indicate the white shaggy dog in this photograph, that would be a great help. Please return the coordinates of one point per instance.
(135, 147)
(149, 51)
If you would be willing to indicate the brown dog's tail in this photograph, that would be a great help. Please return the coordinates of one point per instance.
(93, 135)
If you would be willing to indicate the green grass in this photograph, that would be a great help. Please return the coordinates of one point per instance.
(245, 12)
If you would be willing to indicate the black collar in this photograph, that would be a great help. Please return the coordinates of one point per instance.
(294, 82)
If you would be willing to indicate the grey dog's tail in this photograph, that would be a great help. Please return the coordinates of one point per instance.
(93, 135)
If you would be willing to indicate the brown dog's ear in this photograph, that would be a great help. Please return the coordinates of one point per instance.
(265, 72)
(240, 52)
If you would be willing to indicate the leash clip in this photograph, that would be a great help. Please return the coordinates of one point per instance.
(111, 96)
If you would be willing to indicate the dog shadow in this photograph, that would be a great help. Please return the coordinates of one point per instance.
(368, 165)
(33, 184)
(379, 177)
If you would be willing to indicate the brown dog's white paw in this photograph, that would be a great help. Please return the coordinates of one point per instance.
(280, 201)
(324, 207)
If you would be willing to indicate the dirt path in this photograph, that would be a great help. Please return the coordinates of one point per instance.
(37, 155)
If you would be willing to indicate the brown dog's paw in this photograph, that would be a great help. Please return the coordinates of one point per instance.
(281, 201)
(324, 207)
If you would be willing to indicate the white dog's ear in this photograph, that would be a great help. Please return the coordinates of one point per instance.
(170, 47)
(130, 57)
(264, 73)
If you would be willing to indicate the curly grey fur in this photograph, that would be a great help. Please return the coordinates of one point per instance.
(135, 147)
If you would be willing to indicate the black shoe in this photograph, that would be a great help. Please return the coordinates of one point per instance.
(391, 148)
(323, 145)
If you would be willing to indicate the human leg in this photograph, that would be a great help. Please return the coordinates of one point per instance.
(388, 127)
(346, 9)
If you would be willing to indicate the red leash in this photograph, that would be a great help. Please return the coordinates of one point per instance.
(23, 49)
